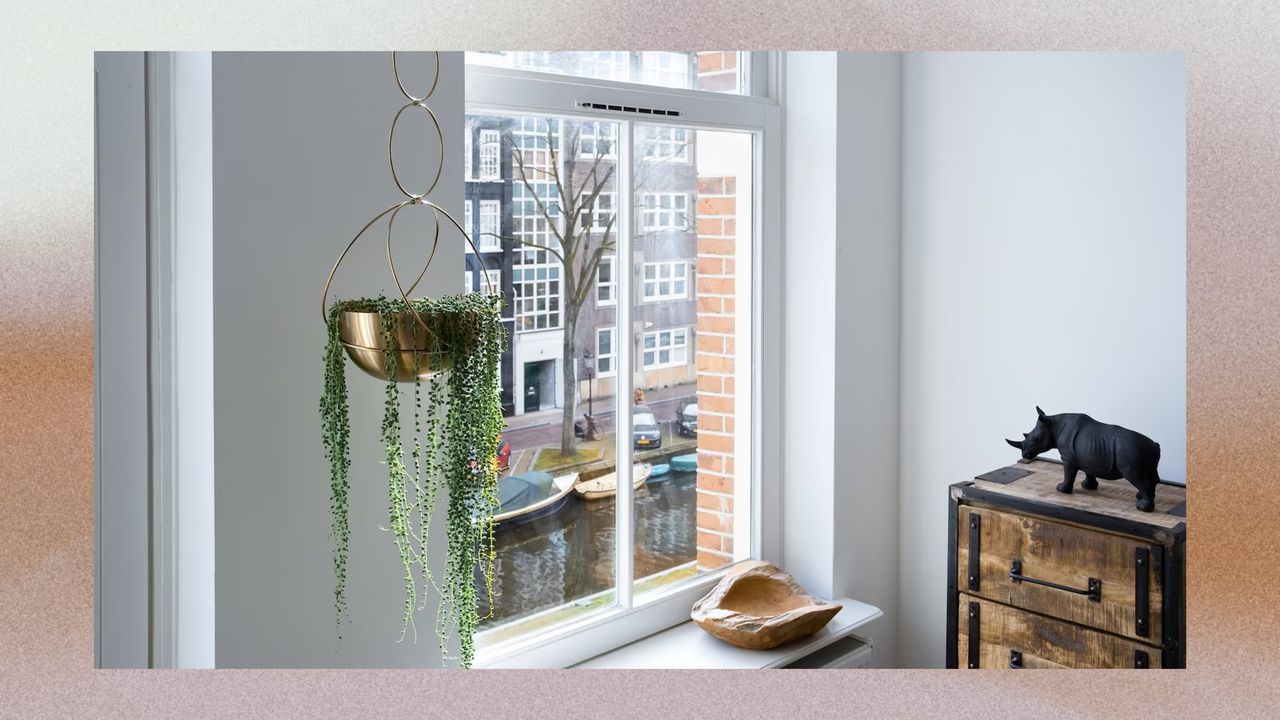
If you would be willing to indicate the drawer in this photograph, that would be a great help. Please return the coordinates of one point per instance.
(1010, 637)
(1088, 577)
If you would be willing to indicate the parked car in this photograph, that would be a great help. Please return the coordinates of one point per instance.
(504, 455)
(687, 417)
(645, 432)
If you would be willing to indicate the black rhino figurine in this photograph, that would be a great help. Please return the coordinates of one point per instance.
(1102, 451)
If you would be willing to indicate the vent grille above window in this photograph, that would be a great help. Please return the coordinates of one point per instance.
(628, 109)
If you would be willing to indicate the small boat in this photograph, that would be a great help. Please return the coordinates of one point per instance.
(659, 474)
(606, 486)
(531, 495)
(685, 463)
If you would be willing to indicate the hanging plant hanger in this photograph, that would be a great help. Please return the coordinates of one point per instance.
(452, 345)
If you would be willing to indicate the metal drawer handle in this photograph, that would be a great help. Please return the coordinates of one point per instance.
(1094, 591)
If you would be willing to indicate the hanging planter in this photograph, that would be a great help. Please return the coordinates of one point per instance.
(448, 348)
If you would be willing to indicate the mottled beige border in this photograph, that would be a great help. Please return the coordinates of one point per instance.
(46, 271)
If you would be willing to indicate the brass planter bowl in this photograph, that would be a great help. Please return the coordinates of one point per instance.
(361, 335)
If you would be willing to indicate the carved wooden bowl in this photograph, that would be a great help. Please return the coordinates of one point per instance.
(758, 606)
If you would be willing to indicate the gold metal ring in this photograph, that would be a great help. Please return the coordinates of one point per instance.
(324, 299)
(435, 81)
(391, 139)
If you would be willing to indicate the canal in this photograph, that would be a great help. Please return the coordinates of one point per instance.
(569, 555)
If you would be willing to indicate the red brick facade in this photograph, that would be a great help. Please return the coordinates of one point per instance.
(715, 361)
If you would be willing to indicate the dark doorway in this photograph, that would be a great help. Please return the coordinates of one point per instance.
(532, 386)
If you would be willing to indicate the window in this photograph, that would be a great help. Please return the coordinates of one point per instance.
(606, 284)
(471, 283)
(490, 225)
(666, 281)
(710, 70)
(666, 348)
(663, 210)
(598, 216)
(668, 69)
(597, 139)
(469, 225)
(468, 172)
(667, 145)
(536, 290)
(490, 149)
(591, 564)
(604, 352)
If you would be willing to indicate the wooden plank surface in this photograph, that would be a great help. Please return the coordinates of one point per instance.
(1043, 642)
(1113, 498)
(1063, 554)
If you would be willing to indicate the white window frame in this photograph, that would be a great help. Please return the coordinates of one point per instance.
(490, 155)
(611, 356)
(662, 148)
(468, 221)
(468, 169)
(654, 216)
(601, 215)
(495, 278)
(611, 286)
(670, 347)
(489, 235)
(520, 92)
(652, 276)
(593, 138)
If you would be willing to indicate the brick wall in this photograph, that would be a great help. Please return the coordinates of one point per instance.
(714, 351)
(717, 71)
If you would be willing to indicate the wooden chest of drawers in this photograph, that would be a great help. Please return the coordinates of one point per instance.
(1037, 578)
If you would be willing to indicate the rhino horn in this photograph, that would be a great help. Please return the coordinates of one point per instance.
(1015, 443)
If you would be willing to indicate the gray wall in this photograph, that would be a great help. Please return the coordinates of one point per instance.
(299, 142)
(1043, 262)
(843, 160)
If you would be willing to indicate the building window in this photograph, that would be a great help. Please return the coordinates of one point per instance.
(468, 172)
(597, 139)
(667, 280)
(598, 216)
(536, 295)
(468, 223)
(668, 69)
(666, 144)
(606, 283)
(663, 210)
(605, 352)
(490, 225)
(472, 284)
(490, 149)
(666, 348)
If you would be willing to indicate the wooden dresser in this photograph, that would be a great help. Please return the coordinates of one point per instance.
(1040, 579)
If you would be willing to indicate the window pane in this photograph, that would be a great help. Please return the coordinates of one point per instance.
(558, 565)
(695, 250)
(711, 70)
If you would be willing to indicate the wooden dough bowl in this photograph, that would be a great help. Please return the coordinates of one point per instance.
(758, 606)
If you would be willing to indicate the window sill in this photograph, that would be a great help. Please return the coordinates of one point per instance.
(686, 646)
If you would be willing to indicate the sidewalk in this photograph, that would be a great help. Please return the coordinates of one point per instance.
(603, 407)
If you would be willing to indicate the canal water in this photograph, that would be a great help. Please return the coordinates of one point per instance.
(569, 555)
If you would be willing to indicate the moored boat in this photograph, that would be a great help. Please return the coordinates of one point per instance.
(659, 474)
(685, 463)
(531, 495)
(606, 486)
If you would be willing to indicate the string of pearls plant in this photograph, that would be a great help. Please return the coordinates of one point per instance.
(453, 345)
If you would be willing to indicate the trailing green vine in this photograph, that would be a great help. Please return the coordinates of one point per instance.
(461, 456)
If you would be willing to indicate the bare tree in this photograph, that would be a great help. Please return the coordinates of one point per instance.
(580, 242)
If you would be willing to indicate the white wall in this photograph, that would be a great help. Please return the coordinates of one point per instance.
(299, 166)
(1043, 262)
(843, 161)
